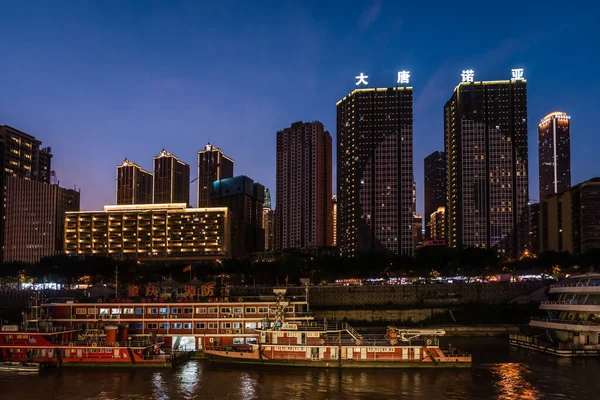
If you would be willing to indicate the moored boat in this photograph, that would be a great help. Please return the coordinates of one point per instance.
(13, 366)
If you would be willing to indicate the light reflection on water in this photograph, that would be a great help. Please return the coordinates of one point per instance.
(498, 373)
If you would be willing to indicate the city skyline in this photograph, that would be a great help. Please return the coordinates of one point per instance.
(145, 96)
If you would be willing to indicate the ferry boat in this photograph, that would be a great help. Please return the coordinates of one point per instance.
(308, 344)
(571, 326)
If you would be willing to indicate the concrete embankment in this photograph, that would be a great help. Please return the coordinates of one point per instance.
(378, 316)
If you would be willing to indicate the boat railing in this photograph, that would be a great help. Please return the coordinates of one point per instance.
(565, 321)
(575, 284)
(571, 302)
(100, 343)
(48, 329)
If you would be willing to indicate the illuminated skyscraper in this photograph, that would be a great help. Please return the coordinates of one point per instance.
(268, 222)
(134, 184)
(303, 187)
(485, 126)
(213, 165)
(334, 219)
(434, 188)
(375, 171)
(171, 179)
(554, 140)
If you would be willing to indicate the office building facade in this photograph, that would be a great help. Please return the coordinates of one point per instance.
(554, 148)
(303, 186)
(268, 222)
(134, 184)
(213, 165)
(35, 218)
(434, 190)
(437, 224)
(417, 230)
(375, 171)
(171, 179)
(334, 219)
(149, 232)
(244, 198)
(485, 126)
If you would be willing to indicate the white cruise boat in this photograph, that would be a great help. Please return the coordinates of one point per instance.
(572, 324)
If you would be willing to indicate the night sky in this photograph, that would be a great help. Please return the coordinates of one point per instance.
(99, 81)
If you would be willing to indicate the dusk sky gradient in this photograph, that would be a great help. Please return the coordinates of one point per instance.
(99, 81)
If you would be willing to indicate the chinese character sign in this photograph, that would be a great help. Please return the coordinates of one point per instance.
(152, 291)
(517, 74)
(403, 77)
(133, 291)
(468, 75)
(362, 79)
(190, 291)
(208, 290)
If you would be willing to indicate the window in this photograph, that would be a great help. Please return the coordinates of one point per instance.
(225, 325)
(163, 325)
(80, 311)
(100, 350)
(251, 340)
(200, 310)
(188, 310)
(288, 309)
(250, 310)
(187, 325)
(238, 340)
(116, 311)
(212, 325)
(139, 311)
(176, 325)
(213, 310)
(237, 310)
(201, 325)
(250, 325)
(225, 310)
(128, 311)
(163, 311)
(154, 311)
(104, 311)
(139, 326)
(237, 325)
(264, 310)
(152, 326)
(175, 310)
(91, 311)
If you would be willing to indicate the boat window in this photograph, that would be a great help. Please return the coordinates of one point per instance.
(213, 310)
(80, 311)
(116, 311)
(238, 340)
(225, 325)
(200, 310)
(237, 325)
(250, 310)
(237, 310)
(176, 325)
(200, 325)
(187, 325)
(251, 340)
(139, 311)
(128, 311)
(154, 311)
(212, 325)
(108, 350)
(250, 325)
(188, 310)
(263, 310)
(100, 350)
(91, 311)
(163, 325)
(225, 310)
(104, 311)
(175, 310)
(163, 311)
(152, 326)
(288, 309)
(139, 326)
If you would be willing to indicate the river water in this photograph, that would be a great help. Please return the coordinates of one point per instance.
(498, 372)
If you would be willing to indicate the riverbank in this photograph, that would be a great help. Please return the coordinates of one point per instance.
(460, 330)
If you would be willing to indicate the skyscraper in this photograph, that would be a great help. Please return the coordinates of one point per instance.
(417, 229)
(437, 224)
(375, 171)
(213, 165)
(134, 184)
(35, 218)
(434, 187)
(268, 222)
(171, 179)
(485, 126)
(554, 140)
(303, 187)
(334, 219)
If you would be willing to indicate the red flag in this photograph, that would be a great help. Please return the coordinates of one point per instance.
(188, 268)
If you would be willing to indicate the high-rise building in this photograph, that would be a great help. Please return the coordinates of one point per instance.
(244, 198)
(417, 229)
(22, 156)
(35, 219)
(375, 171)
(437, 224)
(485, 126)
(569, 220)
(334, 219)
(213, 165)
(171, 179)
(303, 187)
(149, 231)
(134, 184)
(434, 187)
(268, 222)
(554, 141)
(529, 231)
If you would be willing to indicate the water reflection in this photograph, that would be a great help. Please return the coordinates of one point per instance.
(513, 383)
(247, 387)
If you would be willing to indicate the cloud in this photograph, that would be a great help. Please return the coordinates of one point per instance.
(370, 15)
